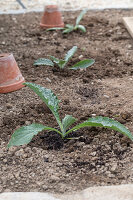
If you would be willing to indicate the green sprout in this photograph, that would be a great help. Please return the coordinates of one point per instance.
(61, 63)
(25, 134)
(69, 27)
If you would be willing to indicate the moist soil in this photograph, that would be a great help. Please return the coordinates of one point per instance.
(95, 156)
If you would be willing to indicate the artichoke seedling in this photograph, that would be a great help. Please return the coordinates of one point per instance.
(25, 134)
(61, 63)
(69, 27)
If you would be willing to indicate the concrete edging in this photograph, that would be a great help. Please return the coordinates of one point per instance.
(119, 192)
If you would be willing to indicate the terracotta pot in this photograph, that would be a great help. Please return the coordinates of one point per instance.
(51, 17)
(11, 78)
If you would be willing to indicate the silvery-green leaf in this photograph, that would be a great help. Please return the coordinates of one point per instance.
(62, 63)
(67, 122)
(69, 26)
(70, 53)
(106, 123)
(83, 64)
(82, 28)
(48, 97)
(83, 12)
(68, 30)
(55, 60)
(43, 61)
(25, 134)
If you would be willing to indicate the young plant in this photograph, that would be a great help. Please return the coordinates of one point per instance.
(25, 134)
(61, 63)
(69, 27)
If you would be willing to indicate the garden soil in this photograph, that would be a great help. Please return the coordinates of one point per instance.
(95, 156)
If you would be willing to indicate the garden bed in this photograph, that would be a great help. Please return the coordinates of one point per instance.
(97, 156)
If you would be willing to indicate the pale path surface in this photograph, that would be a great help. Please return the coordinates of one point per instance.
(26, 196)
(122, 192)
(38, 5)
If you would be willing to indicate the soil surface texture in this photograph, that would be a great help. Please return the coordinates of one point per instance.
(96, 156)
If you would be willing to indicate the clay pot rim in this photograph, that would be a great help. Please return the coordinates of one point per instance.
(12, 87)
(5, 56)
(51, 26)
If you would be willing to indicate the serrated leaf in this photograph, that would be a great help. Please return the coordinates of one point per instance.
(83, 64)
(68, 30)
(106, 123)
(48, 97)
(43, 61)
(70, 53)
(54, 29)
(25, 134)
(67, 122)
(55, 60)
(83, 12)
(82, 28)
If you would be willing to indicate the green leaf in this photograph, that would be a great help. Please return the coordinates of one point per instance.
(68, 30)
(69, 26)
(49, 98)
(54, 29)
(83, 64)
(43, 61)
(106, 123)
(61, 63)
(25, 134)
(83, 12)
(70, 53)
(55, 60)
(46, 95)
(67, 122)
(82, 28)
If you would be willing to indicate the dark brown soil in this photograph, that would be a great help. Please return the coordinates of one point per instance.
(95, 156)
